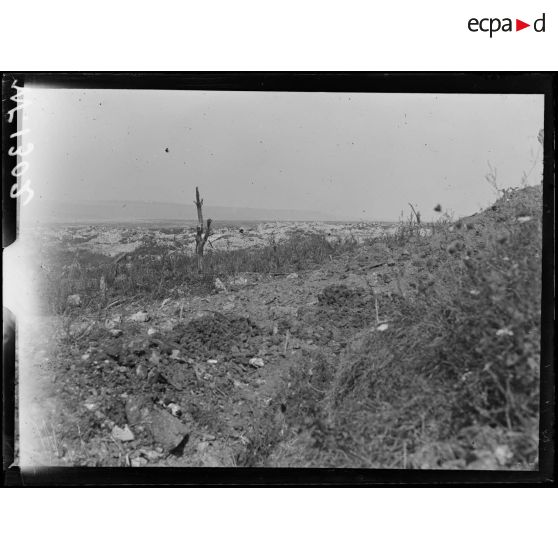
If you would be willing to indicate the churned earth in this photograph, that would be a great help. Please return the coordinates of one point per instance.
(419, 352)
(188, 378)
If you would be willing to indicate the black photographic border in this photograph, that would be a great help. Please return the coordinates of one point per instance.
(349, 82)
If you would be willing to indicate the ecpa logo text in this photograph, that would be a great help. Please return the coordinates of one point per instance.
(492, 25)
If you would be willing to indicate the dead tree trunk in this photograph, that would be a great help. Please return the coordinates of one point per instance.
(202, 235)
(417, 214)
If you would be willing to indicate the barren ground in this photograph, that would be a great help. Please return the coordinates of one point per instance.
(254, 371)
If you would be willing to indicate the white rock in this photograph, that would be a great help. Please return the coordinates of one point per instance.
(138, 461)
(116, 332)
(175, 409)
(74, 300)
(140, 317)
(211, 361)
(141, 371)
(503, 454)
(219, 285)
(152, 455)
(151, 331)
(382, 327)
(292, 276)
(256, 362)
(239, 281)
(123, 434)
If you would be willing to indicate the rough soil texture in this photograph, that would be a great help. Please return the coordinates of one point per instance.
(205, 381)
(190, 363)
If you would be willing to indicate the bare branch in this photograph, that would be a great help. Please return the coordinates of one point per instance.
(201, 238)
(417, 213)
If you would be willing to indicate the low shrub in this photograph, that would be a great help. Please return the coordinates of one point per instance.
(453, 381)
(151, 271)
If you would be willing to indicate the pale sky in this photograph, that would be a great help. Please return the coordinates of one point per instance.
(355, 155)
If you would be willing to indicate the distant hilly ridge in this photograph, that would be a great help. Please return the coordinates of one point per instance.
(131, 211)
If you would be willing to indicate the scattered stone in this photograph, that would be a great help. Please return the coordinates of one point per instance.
(122, 434)
(219, 285)
(152, 376)
(202, 446)
(382, 327)
(138, 410)
(256, 362)
(292, 276)
(151, 455)
(174, 409)
(173, 375)
(503, 455)
(116, 332)
(155, 358)
(524, 219)
(168, 431)
(85, 356)
(138, 462)
(212, 361)
(240, 281)
(74, 300)
(151, 331)
(141, 371)
(139, 317)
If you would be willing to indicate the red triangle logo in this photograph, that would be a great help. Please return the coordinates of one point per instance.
(519, 25)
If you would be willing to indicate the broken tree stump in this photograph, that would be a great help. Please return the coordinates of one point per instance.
(202, 234)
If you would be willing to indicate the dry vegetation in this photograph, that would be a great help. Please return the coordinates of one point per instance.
(453, 381)
(419, 349)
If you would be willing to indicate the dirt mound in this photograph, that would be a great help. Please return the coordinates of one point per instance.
(216, 334)
(345, 310)
(342, 295)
